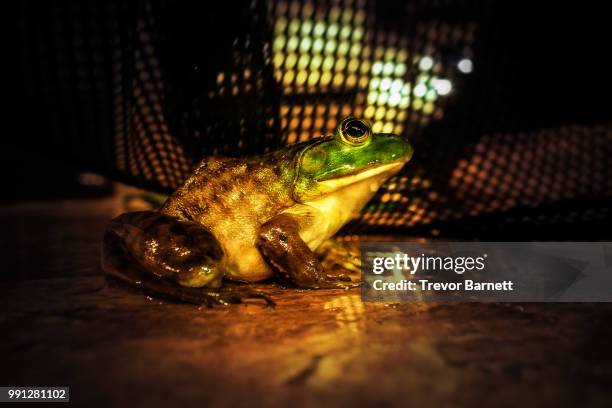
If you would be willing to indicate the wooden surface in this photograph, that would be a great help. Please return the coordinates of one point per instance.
(62, 324)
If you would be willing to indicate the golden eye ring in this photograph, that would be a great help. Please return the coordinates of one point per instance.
(354, 131)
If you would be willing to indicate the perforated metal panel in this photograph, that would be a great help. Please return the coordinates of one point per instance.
(141, 91)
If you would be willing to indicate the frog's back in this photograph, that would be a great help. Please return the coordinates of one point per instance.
(232, 198)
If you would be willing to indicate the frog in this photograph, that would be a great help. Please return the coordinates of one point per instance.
(250, 219)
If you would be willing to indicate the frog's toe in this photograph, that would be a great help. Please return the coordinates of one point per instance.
(211, 297)
(208, 297)
(229, 296)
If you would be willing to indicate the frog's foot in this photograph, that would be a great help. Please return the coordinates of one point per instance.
(280, 244)
(166, 257)
(160, 288)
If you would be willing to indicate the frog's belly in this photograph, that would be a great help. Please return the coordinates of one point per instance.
(247, 265)
(242, 260)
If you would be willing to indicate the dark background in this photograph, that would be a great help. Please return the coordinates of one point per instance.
(536, 102)
(133, 92)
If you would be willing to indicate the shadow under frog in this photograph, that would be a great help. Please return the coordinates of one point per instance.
(250, 219)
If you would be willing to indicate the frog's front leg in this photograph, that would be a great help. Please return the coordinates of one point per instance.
(281, 245)
(168, 257)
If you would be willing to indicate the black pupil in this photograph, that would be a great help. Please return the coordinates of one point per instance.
(356, 128)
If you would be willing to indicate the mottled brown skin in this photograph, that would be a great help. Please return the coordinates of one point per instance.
(129, 258)
(232, 198)
(247, 219)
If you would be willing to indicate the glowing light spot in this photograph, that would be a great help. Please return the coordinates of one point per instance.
(279, 43)
(303, 61)
(301, 77)
(293, 44)
(278, 60)
(288, 78)
(340, 64)
(319, 29)
(369, 112)
(290, 61)
(351, 81)
(306, 27)
(426, 63)
(332, 30)
(388, 128)
(372, 97)
(326, 78)
(443, 86)
(431, 95)
(343, 48)
(465, 65)
(317, 45)
(420, 90)
(385, 84)
(338, 79)
(347, 15)
(388, 68)
(377, 68)
(395, 99)
(400, 69)
(428, 108)
(280, 25)
(313, 78)
(305, 44)
(396, 85)
(328, 63)
(365, 67)
(389, 54)
(294, 26)
(383, 98)
(330, 47)
(345, 32)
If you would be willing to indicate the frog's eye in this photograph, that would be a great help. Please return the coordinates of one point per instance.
(354, 131)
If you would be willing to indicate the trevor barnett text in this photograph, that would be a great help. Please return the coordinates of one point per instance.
(426, 285)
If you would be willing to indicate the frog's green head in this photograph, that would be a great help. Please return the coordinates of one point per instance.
(354, 155)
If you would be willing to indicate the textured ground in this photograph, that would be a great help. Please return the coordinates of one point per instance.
(61, 324)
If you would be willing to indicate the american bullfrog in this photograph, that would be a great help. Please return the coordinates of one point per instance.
(248, 219)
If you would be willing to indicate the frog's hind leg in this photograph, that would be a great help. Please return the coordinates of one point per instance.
(167, 257)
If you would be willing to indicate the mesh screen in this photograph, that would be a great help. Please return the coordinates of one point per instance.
(140, 91)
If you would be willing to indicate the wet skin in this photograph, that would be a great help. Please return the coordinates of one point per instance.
(250, 219)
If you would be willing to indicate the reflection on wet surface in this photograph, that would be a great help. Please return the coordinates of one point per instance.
(349, 313)
(63, 324)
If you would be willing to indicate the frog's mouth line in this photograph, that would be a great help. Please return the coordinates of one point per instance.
(340, 182)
